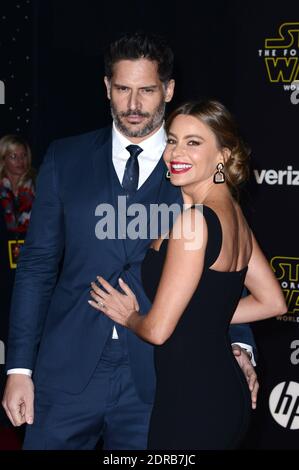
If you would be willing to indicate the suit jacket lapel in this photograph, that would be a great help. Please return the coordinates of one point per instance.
(107, 182)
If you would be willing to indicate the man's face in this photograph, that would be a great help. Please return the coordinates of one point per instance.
(137, 98)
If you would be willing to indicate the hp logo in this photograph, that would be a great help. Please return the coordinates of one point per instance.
(284, 404)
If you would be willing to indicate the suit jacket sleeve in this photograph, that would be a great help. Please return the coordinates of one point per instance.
(243, 333)
(37, 269)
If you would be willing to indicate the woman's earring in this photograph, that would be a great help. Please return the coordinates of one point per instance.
(167, 176)
(219, 176)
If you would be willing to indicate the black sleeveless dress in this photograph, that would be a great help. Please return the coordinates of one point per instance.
(202, 399)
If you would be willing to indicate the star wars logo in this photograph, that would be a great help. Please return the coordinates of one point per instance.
(286, 270)
(281, 61)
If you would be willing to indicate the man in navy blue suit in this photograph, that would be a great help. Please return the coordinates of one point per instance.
(92, 379)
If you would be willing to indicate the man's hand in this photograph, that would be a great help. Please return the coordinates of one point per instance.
(244, 362)
(18, 399)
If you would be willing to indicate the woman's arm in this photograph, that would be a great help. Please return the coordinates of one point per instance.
(266, 298)
(181, 274)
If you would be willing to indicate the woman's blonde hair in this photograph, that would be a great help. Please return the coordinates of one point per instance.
(215, 115)
(7, 145)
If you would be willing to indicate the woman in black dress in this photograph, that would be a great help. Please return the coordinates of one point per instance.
(195, 279)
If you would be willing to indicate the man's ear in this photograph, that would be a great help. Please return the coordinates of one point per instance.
(169, 90)
(108, 87)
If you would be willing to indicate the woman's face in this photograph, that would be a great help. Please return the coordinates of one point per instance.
(191, 154)
(16, 161)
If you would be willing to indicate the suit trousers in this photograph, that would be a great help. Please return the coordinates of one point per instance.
(108, 409)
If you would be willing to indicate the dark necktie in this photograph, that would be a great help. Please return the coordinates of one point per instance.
(131, 174)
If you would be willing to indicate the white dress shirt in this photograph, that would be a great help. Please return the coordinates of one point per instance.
(152, 149)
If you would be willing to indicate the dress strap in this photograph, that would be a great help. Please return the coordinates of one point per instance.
(214, 236)
(214, 243)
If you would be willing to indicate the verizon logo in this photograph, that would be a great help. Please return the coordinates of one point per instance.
(289, 176)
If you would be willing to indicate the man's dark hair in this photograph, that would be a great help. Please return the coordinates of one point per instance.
(134, 46)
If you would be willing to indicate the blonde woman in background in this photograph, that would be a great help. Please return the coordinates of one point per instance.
(16, 184)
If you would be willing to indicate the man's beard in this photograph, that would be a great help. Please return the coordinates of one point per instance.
(155, 121)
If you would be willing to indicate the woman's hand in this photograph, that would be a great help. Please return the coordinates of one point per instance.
(117, 306)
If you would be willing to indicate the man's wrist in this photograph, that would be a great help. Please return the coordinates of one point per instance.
(249, 353)
(248, 349)
(19, 371)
